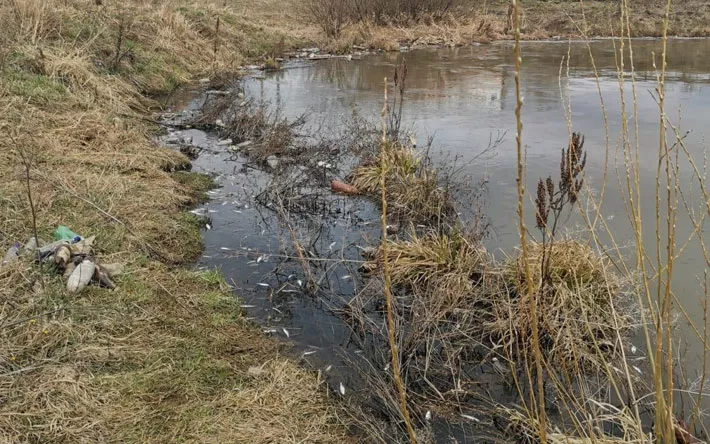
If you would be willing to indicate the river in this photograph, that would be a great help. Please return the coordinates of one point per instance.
(464, 97)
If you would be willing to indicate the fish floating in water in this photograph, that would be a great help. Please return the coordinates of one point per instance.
(342, 389)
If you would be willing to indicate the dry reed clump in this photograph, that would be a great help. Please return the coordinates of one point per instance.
(582, 309)
(434, 264)
(524, 429)
(413, 191)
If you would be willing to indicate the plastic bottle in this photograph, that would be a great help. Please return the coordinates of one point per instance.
(12, 254)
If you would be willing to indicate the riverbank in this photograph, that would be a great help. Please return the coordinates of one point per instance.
(168, 355)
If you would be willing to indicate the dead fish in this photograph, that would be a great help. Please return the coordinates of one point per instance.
(247, 306)
(346, 277)
(81, 276)
(225, 249)
(276, 310)
(342, 389)
(288, 335)
(270, 331)
(327, 369)
(309, 352)
(208, 226)
(259, 259)
(638, 370)
(330, 247)
(263, 284)
(472, 418)
(300, 283)
(428, 415)
(633, 349)
(288, 291)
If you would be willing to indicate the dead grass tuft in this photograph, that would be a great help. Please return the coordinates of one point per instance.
(445, 264)
(413, 190)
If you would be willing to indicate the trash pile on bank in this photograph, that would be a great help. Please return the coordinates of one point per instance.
(71, 255)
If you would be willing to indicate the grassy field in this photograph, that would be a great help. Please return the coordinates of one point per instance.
(167, 357)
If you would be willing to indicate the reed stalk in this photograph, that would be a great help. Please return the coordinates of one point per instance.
(388, 281)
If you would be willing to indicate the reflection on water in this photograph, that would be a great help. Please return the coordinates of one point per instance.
(461, 96)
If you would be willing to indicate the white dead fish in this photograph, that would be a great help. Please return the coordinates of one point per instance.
(633, 349)
(81, 276)
(208, 226)
(300, 283)
(276, 310)
(346, 277)
(263, 284)
(342, 389)
(247, 306)
(638, 370)
(472, 418)
(327, 369)
(288, 335)
(288, 291)
(428, 415)
(270, 331)
(225, 248)
(309, 352)
(330, 247)
(259, 259)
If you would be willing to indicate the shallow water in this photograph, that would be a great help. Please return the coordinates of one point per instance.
(463, 97)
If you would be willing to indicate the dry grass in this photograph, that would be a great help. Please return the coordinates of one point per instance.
(448, 265)
(583, 307)
(413, 190)
(166, 356)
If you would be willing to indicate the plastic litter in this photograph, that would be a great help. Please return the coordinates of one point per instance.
(81, 276)
(342, 187)
(63, 233)
(12, 254)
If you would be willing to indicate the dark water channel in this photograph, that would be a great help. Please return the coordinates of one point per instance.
(463, 97)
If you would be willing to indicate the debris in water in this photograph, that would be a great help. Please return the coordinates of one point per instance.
(472, 418)
(248, 306)
(330, 247)
(224, 142)
(342, 389)
(259, 259)
(342, 187)
(276, 310)
(270, 331)
(288, 335)
(288, 291)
